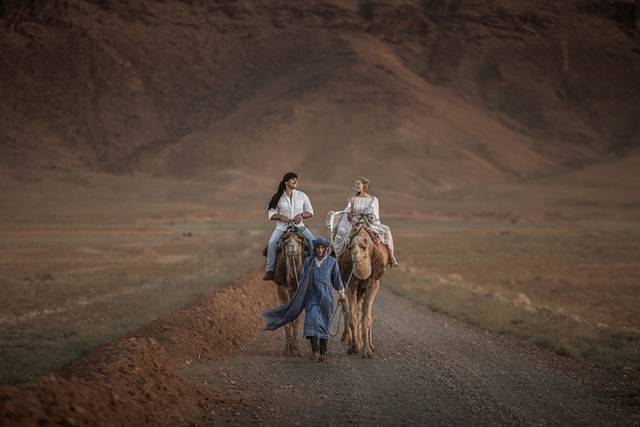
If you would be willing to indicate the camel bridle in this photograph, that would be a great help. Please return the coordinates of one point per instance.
(292, 255)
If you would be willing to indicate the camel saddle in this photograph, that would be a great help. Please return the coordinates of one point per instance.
(374, 236)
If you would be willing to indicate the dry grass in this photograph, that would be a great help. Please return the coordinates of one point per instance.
(573, 288)
(67, 291)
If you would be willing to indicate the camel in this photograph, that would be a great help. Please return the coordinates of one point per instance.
(287, 273)
(367, 260)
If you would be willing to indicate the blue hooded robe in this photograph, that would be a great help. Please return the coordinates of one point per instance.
(314, 295)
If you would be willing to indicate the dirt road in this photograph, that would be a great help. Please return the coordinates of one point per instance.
(429, 370)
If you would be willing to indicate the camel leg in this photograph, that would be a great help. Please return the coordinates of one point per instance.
(283, 297)
(297, 331)
(367, 318)
(288, 331)
(346, 333)
(349, 326)
(359, 311)
(355, 344)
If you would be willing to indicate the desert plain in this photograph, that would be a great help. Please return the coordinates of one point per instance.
(141, 141)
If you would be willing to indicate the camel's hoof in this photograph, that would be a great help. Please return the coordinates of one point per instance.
(353, 350)
(367, 355)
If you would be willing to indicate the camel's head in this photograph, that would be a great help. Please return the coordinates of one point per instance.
(292, 249)
(361, 247)
(292, 245)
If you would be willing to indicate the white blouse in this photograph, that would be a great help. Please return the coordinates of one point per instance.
(340, 226)
(290, 207)
(366, 205)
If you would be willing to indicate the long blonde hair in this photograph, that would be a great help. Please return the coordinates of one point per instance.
(365, 184)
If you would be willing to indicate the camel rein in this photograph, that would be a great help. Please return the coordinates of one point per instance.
(295, 270)
(340, 306)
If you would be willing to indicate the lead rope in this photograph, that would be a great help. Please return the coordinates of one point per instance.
(295, 270)
(340, 307)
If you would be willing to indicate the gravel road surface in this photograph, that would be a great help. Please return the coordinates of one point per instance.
(428, 370)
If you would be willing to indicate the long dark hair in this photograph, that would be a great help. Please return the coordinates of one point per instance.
(276, 197)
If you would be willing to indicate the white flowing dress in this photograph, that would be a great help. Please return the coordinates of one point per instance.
(341, 227)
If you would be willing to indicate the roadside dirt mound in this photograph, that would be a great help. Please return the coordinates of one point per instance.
(137, 380)
(216, 324)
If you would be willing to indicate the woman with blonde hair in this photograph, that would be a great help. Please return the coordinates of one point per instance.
(362, 207)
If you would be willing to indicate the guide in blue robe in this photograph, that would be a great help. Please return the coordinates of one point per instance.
(314, 295)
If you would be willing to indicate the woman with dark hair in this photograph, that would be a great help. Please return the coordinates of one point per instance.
(287, 207)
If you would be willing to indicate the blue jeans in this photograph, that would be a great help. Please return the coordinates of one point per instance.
(273, 245)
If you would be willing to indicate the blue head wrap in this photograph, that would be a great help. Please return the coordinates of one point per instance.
(320, 242)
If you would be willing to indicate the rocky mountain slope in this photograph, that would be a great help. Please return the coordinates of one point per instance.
(426, 95)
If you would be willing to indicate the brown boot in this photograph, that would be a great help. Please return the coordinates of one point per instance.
(315, 357)
(269, 275)
(323, 358)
